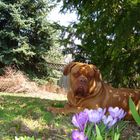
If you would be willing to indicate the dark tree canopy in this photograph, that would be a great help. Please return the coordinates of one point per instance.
(25, 34)
(109, 31)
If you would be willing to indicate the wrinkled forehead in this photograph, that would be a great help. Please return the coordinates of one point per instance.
(82, 68)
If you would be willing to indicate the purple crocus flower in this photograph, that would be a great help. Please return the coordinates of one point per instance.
(109, 121)
(76, 135)
(116, 112)
(80, 120)
(95, 116)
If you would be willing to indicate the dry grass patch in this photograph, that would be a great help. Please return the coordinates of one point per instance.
(50, 87)
(15, 81)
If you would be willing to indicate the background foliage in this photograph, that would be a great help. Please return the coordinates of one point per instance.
(110, 38)
(109, 34)
(25, 34)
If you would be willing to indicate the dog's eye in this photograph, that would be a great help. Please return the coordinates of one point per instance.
(76, 74)
(89, 77)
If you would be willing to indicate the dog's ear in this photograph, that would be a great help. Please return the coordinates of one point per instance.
(68, 68)
(97, 74)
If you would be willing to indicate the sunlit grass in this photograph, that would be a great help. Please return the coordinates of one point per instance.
(26, 116)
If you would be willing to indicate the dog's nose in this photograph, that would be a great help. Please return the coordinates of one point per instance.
(83, 80)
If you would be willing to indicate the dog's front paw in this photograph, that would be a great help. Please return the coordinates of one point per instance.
(50, 109)
(54, 110)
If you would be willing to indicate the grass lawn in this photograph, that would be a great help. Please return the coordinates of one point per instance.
(27, 116)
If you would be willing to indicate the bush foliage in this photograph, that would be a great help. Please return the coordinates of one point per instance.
(25, 34)
(109, 32)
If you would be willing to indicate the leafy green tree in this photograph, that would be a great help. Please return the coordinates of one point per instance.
(25, 34)
(109, 31)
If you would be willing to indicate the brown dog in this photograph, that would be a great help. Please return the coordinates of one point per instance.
(87, 90)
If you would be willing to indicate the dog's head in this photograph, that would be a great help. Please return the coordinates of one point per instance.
(82, 77)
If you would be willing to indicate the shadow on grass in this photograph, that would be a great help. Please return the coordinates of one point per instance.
(27, 116)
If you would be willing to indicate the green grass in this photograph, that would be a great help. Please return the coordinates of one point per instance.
(27, 116)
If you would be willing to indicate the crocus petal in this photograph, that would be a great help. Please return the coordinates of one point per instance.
(122, 114)
(107, 119)
(113, 111)
(76, 135)
(101, 112)
(116, 112)
(74, 121)
(86, 110)
(111, 123)
(94, 116)
(80, 120)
